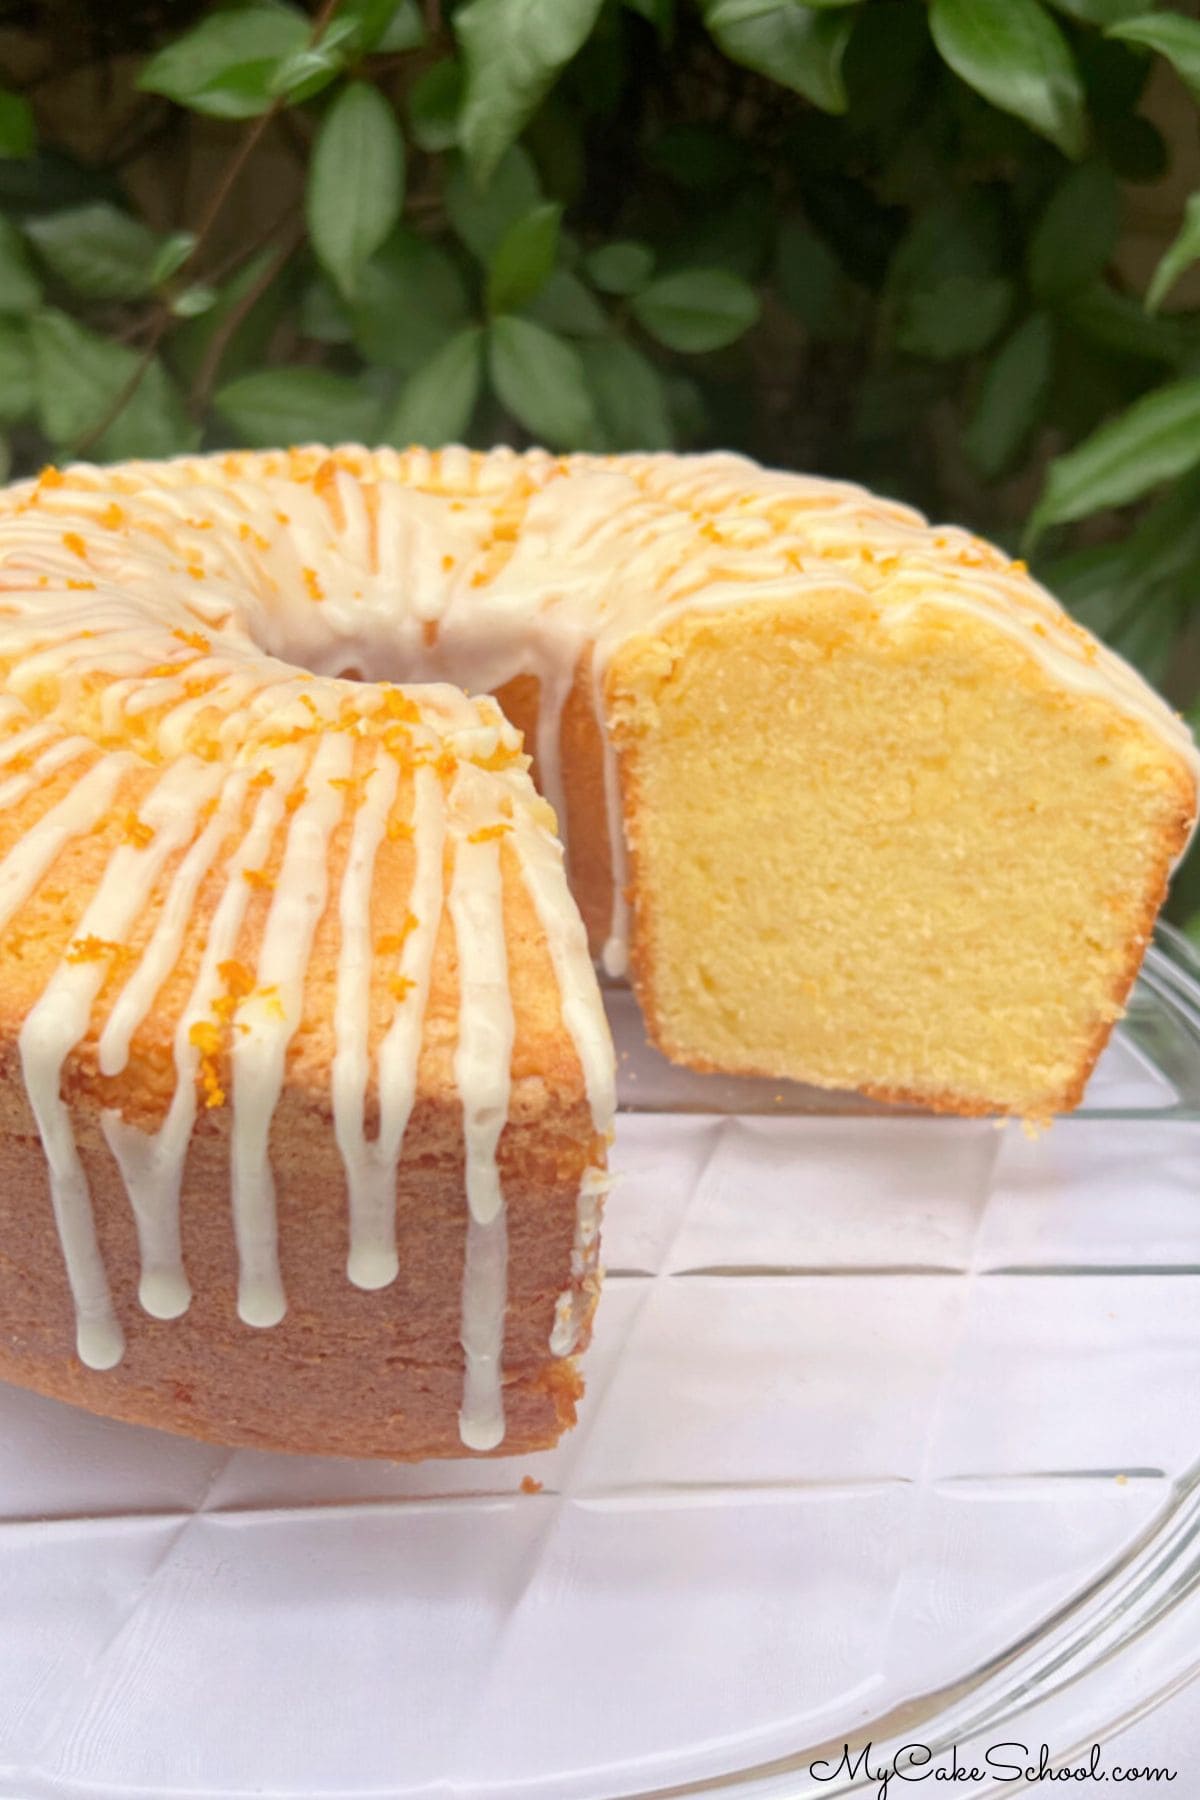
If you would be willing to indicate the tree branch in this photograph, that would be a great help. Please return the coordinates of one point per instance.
(206, 374)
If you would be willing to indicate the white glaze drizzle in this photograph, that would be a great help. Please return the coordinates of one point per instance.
(151, 1164)
(482, 1071)
(371, 1261)
(269, 1020)
(57, 1023)
(371, 1166)
(573, 1306)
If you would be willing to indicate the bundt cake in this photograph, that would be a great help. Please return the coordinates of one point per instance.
(853, 796)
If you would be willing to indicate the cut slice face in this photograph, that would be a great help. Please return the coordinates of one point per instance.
(880, 848)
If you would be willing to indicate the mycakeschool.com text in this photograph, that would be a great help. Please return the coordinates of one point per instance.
(1007, 1763)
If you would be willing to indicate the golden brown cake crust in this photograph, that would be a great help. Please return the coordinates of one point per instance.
(346, 1373)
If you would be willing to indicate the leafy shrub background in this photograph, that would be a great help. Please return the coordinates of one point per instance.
(874, 238)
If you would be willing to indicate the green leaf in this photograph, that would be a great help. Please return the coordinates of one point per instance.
(436, 404)
(298, 406)
(434, 103)
(195, 300)
(621, 267)
(564, 304)
(307, 70)
(224, 65)
(98, 250)
(1179, 256)
(1121, 326)
(958, 316)
(1098, 12)
(801, 47)
(20, 291)
(630, 396)
(323, 314)
(659, 13)
(372, 21)
(523, 259)
(481, 217)
(17, 391)
(172, 252)
(513, 50)
(16, 125)
(1013, 53)
(1148, 636)
(1076, 234)
(540, 379)
(405, 30)
(1131, 596)
(1012, 399)
(410, 299)
(957, 235)
(697, 309)
(1173, 36)
(1103, 584)
(355, 182)
(80, 377)
(813, 283)
(1155, 440)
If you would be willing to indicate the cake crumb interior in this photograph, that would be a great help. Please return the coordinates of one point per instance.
(884, 856)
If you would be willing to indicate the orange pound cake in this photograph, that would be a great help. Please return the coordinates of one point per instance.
(302, 1038)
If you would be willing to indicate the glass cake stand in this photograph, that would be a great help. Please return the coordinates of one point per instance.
(891, 1434)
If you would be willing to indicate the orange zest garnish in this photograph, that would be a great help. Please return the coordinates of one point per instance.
(137, 831)
(398, 706)
(94, 949)
(315, 590)
(195, 640)
(238, 979)
(487, 833)
(205, 1037)
(392, 942)
(258, 878)
(74, 543)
